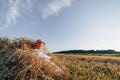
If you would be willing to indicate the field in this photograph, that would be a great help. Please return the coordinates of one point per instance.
(91, 67)
(18, 61)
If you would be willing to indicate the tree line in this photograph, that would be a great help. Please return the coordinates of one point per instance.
(110, 51)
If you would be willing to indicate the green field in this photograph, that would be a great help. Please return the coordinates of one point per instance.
(91, 67)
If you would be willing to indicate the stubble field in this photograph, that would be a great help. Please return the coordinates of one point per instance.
(91, 67)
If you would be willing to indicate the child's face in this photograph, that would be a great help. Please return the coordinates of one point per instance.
(39, 45)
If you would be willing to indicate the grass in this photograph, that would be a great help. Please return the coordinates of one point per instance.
(19, 62)
(90, 67)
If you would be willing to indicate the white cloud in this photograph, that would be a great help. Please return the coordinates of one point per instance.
(13, 12)
(55, 7)
(15, 8)
(102, 40)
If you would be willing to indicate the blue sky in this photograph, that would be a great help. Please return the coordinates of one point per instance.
(63, 24)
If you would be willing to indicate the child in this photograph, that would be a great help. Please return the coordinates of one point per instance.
(38, 50)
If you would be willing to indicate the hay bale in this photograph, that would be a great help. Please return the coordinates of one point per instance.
(19, 62)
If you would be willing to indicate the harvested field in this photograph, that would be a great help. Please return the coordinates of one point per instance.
(19, 62)
(90, 67)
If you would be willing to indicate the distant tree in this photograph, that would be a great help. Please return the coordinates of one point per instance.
(109, 51)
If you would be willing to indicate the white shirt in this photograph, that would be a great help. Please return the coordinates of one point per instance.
(42, 55)
(47, 58)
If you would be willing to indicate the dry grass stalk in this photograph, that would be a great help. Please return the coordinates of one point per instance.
(19, 62)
